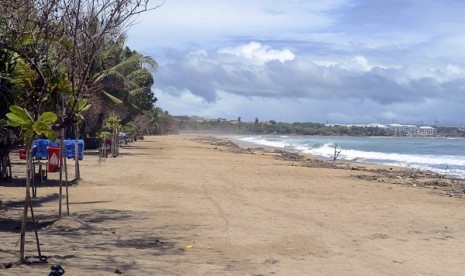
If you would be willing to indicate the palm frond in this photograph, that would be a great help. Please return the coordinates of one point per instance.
(142, 73)
(112, 98)
(135, 61)
(132, 85)
(150, 62)
(106, 74)
(138, 90)
(135, 107)
(128, 64)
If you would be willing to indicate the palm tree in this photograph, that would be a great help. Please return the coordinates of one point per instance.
(52, 51)
(123, 87)
(129, 77)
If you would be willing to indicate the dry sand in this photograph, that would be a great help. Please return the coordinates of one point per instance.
(179, 206)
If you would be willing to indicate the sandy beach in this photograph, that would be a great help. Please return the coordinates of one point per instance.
(188, 205)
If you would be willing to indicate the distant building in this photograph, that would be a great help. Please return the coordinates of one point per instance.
(375, 125)
(359, 125)
(181, 118)
(397, 129)
(198, 119)
(412, 130)
(426, 131)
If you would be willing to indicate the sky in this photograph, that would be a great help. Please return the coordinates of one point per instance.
(332, 61)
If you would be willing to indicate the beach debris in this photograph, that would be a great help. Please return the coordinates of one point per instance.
(68, 224)
(225, 143)
(118, 271)
(377, 236)
(271, 261)
(442, 185)
(145, 245)
(420, 179)
(289, 156)
(189, 246)
(367, 177)
(336, 153)
(8, 265)
(57, 270)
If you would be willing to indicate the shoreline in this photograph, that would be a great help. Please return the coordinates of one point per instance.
(219, 133)
(200, 205)
(429, 170)
(442, 184)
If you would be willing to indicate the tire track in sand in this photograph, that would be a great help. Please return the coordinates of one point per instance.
(216, 205)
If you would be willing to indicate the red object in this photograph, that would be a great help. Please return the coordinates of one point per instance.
(53, 159)
(22, 154)
(108, 144)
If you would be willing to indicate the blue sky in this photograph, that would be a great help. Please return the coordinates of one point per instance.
(336, 61)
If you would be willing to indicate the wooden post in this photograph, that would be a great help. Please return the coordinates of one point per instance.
(60, 189)
(33, 180)
(66, 169)
(76, 155)
(26, 203)
(35, 227)
(9, 167)
(67, 199)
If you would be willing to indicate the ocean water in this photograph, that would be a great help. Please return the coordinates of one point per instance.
(441, 155)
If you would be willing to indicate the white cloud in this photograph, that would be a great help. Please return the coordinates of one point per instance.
(231, 106)
(257, 53)
(178, 23)
(358, 64)
(368, 58)
(278, 74)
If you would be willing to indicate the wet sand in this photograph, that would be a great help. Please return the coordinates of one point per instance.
(184, 205)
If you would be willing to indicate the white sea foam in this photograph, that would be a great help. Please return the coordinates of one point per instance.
(404, 158)
(453, 165)
(264, 142)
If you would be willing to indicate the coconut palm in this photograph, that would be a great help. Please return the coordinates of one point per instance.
(123, 87)
(130, 77)
(53, 46)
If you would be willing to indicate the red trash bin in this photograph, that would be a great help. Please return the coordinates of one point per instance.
(108, 144)
(53, 159)
(22, 154)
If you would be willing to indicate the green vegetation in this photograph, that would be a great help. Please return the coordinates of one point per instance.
(272, 127)
(64, 71)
